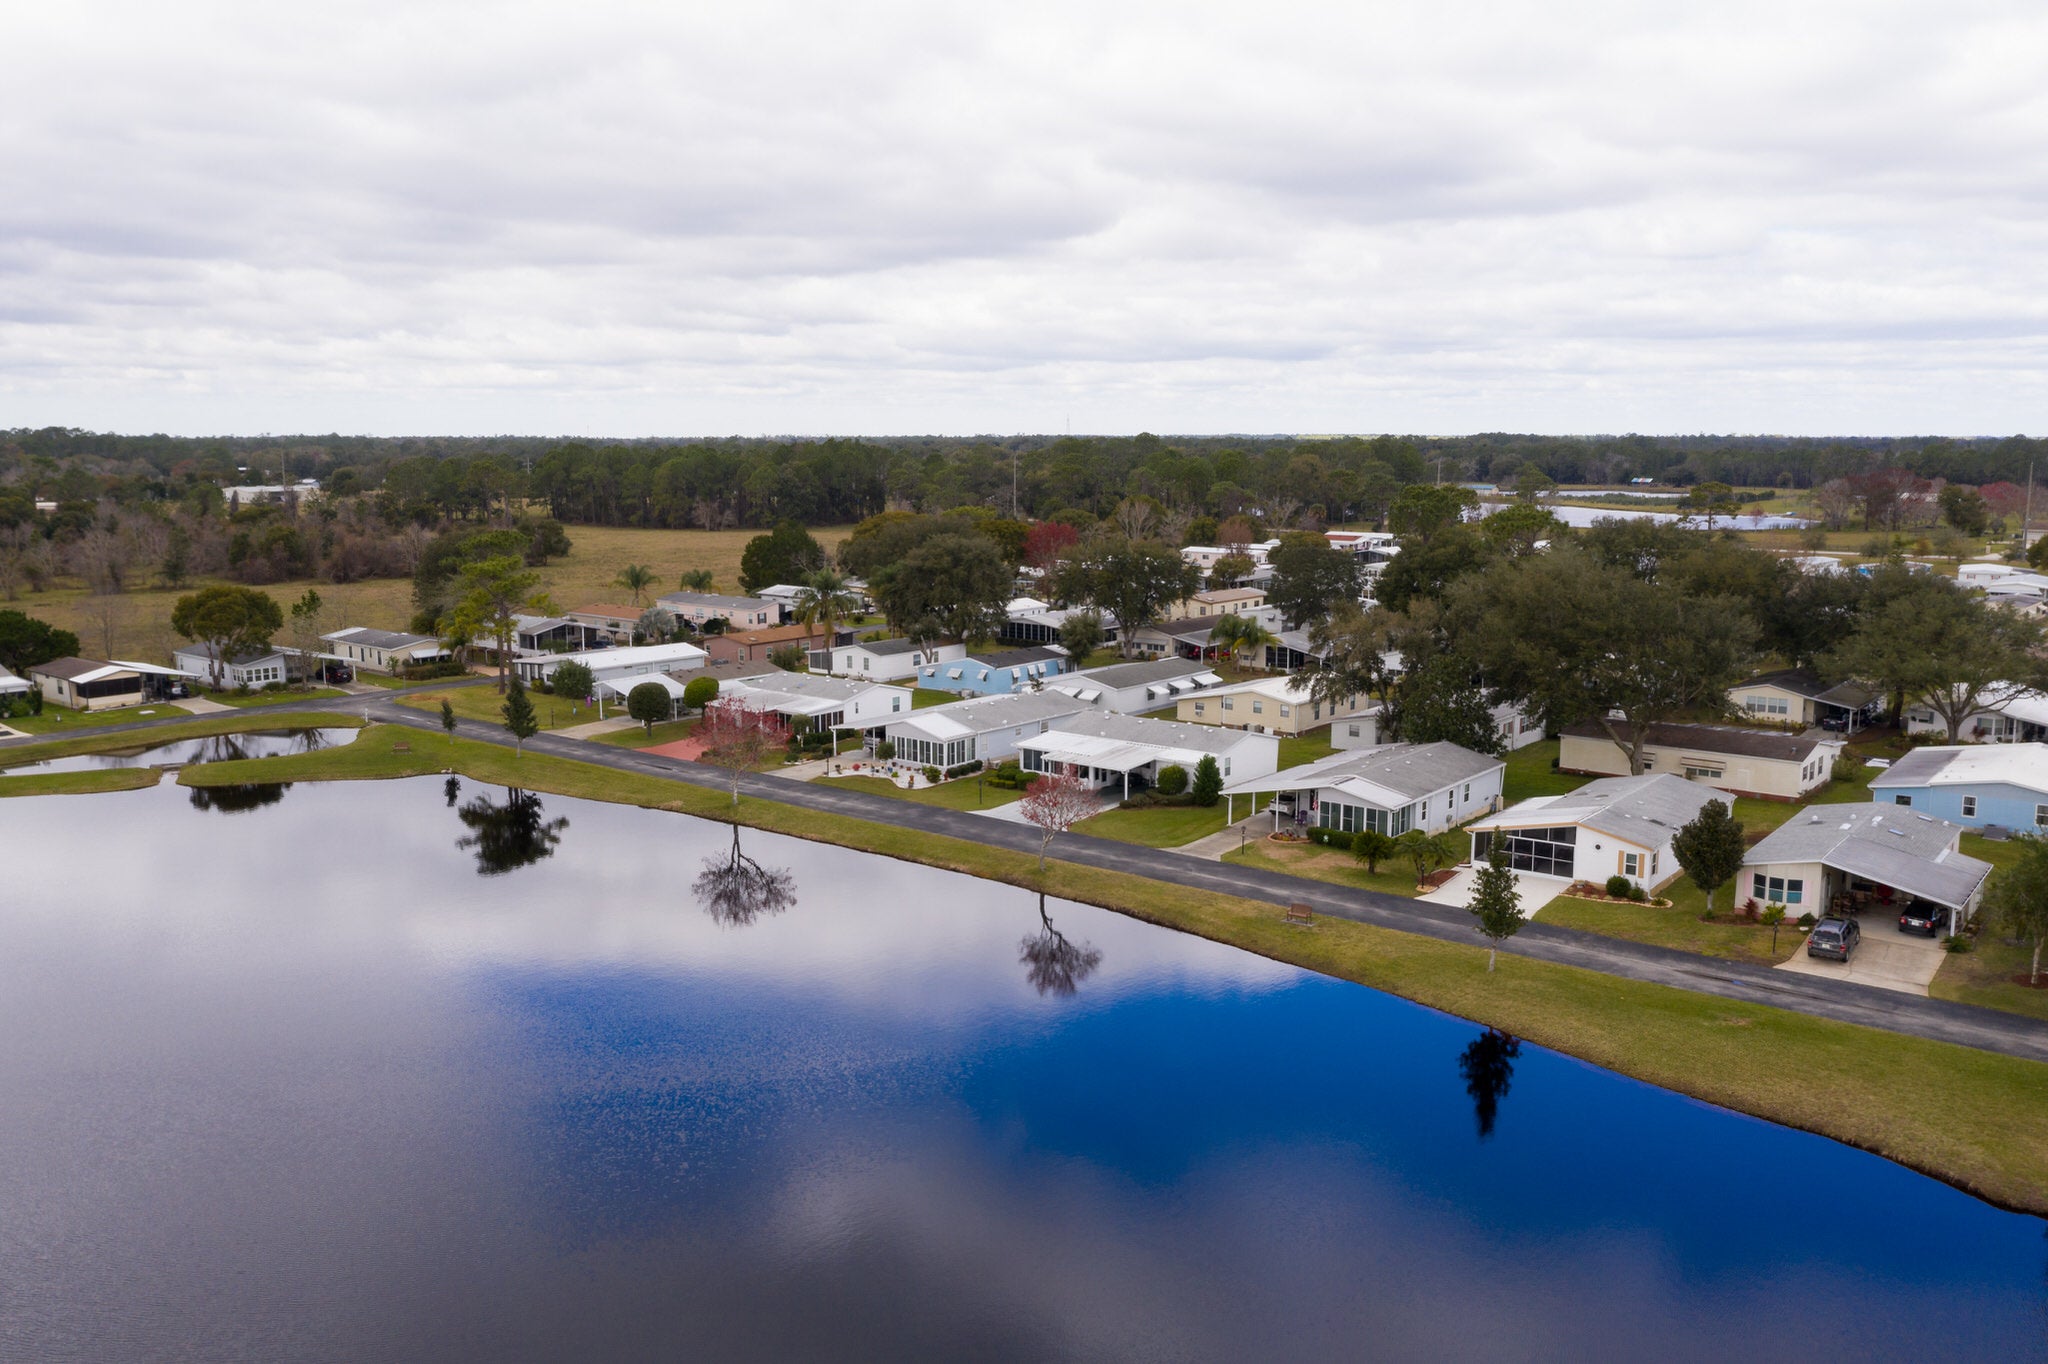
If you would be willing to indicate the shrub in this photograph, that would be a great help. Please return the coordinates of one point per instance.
(1619, 887)
(1638, 894)
(1844, 769)
(1956, 944)
(966, 769)
(931, 774)
(1807, 920)
(700, 692)
(427, 672)
(1208, 781)
(1332, 838)
(884, 751)
(1172, 780)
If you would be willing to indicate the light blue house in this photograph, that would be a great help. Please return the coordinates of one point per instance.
(1003, 674)
(1973, 785)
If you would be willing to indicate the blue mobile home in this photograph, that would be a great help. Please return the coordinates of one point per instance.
(1973, 785)
(1001, 674)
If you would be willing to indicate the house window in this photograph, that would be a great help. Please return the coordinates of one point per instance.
(1631, 865)
(1285, 712)
(895, 703)
(2041, 816)
(1696, 773)
(1969, 807)
(1198, 707)
(1354, 733)
(1227, 705)
(1425, 809)
(1468, 790)
(1902, 800)
(1782, 890)
(1653, 864)
(1258, 707)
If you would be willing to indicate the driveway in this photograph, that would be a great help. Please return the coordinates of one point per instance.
(1536, 891)
(1886, 958)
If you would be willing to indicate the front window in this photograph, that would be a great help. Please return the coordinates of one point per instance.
(1258, 707)
(1969, 807)
(1902, 800)
(1781, 890)
(1631, 865)
(1697, 773)
(2041, 816)
(1199, 707)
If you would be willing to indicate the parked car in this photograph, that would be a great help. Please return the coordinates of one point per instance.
(1834, 938)
(1923, 918)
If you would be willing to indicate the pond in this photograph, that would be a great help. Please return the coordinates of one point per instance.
(1581, 517)
(213, 748)
(427, 1070)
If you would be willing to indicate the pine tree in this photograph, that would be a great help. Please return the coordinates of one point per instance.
(519, 716)
(1496, 903)
(447, 715)
(1208, 781)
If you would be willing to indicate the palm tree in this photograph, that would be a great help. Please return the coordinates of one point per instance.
(1242, 635)
(635, 578)
(825, 600)
(1426, 851)
(699, 580)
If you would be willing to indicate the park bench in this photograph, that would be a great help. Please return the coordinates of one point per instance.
(1300, 914)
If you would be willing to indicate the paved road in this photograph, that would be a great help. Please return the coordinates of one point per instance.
(1941, 1020)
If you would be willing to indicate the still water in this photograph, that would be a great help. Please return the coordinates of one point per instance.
(416, 1071)
(213, 748)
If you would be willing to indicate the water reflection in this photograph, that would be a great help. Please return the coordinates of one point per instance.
(509, 836)
(231, 800)
(735, 890)
(452, 790)
(211, 748)
(1054, 965)
(1488, 1065)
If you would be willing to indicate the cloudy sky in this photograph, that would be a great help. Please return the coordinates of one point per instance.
(624, 219)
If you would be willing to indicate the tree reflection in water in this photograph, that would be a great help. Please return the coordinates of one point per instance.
(451, 790)
(1488, 1065)
(231, 800)
(736, 890)
(1053, 965)
(509, 836)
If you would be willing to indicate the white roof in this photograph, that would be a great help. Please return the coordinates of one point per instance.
(1286, 687)
(1119, 743)
(154, 670)
(638, 656)
(2019, 703)
(621, 687)
(2022, 765)
(10, 683)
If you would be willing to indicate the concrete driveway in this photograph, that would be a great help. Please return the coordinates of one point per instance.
(1536, 891)
(1886, 958)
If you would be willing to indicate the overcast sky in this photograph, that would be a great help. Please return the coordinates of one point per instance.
(703, 219)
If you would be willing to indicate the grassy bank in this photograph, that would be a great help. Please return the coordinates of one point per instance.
(245, 700)
(1394, 877)
(484, 704)
(80, 783)
(1969, 1117)
(1162, 826)
(58, 720)
(952, 795)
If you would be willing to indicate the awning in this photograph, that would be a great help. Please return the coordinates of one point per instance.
(1950, 879)
(620, 687)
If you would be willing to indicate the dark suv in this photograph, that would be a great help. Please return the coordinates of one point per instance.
(1834, 938)
(1923, 918)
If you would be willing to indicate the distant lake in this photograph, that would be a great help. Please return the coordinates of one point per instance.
(425, 1071)
(1581, 517)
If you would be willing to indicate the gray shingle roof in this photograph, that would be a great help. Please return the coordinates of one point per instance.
(1408, 770)
(1806, 682)
(983, 714)
(1014, 658)
(1647, 810)
(1889, 844)
(1135, 729)
(886, 648)
(378, 639)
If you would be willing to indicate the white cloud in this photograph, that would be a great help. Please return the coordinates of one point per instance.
(625, 219)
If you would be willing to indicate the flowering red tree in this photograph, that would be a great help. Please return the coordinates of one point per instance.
(1047, 542)
(1054, 804)
(737, 738)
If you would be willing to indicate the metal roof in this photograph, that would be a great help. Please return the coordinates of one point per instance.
(984, 714)
(1725, 739)
(1104, 738)
(1647, 810)
(1396, 773)
(1117, 676)
(1889, 844)
(2023, 765)
(377, 639)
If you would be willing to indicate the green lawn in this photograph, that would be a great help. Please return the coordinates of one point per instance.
(1313, 860)
(1971, 1117)
(1529, 773)
(385, 680)
(486, 705)
(242, 700)
(667, 732)
(1159, 826)
(91, 741)
(58, 720)
(1296, 749)
(1678, 927)
(960, 794)
(920, 697)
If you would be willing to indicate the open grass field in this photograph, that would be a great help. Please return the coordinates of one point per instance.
(248, 700)
(485, 705)
(138, 624)
(1678, 926)
(1320, 863)
(1965, 1116)
(79, 783)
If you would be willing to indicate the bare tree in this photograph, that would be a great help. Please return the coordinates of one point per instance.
(737, 738)
(1053, 964)
(103, 613)
(735, 890)
(1055, 803)
(1135, 517)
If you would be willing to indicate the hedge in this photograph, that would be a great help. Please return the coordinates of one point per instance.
(1331, 838)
